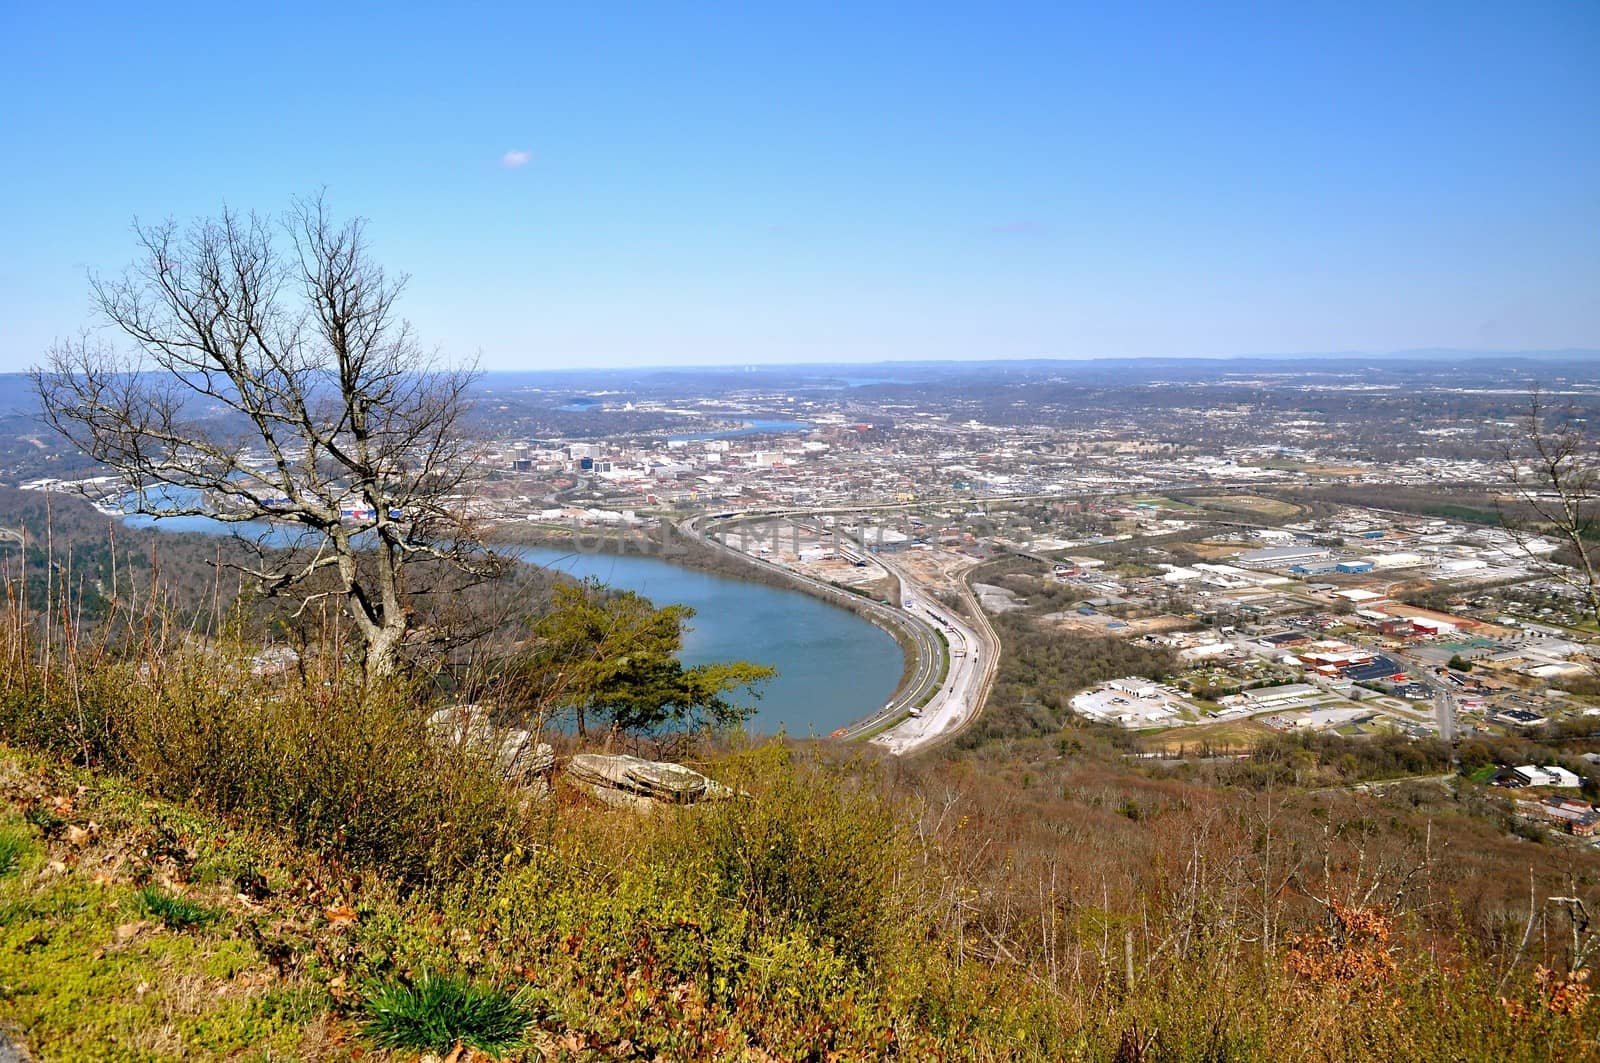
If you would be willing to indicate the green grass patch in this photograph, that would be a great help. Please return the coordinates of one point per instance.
(82, 987)
(436, 1013)
(45, 821)
(175, 913)
(16, 848)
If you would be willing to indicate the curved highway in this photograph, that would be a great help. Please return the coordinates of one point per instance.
(952, 676)
(974, 653)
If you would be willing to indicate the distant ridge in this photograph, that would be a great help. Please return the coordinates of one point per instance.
(1419, 354)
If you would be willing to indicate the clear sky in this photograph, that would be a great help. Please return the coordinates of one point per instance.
(614, 184)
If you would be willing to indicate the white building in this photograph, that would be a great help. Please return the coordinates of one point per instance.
(1133, 701)
(1551, 775)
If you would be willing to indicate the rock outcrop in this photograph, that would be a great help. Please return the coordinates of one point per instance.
(638, 783)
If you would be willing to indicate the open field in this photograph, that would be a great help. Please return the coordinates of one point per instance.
(1241, 735)
(1100, 624)
(1265, 507)
(1162, 502)
(1209, 551)
(936, 566)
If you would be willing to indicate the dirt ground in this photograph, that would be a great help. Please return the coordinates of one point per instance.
(939, 567)
(1096, 625)
(1477, 627)
(1213, 551)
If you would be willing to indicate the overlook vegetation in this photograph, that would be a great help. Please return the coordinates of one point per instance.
(197, 860)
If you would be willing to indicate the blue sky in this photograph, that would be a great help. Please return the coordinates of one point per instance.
(717, 183)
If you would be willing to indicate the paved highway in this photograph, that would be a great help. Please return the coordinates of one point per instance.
(1444, 708)
(974, 650)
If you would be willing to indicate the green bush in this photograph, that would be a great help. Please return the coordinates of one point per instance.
(806, 851)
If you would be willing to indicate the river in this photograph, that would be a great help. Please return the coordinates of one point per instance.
(833, 666)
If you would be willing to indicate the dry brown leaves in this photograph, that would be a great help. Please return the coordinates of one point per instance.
(1352, 952)
(1566, 995)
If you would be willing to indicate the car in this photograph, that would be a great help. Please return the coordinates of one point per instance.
(840, 733)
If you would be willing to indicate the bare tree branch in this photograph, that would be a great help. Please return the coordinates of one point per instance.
(1553, 469)
(269, 377)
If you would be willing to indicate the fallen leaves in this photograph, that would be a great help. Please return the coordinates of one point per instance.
(341, 915)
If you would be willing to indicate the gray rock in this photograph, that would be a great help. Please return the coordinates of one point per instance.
(621, 798)
(515, 754)
(11, 1052)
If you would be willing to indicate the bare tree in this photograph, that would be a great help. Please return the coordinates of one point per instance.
(1553, 467)
(269, 378)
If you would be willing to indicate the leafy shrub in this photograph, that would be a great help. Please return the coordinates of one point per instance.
(804, 852)
(436, 1013)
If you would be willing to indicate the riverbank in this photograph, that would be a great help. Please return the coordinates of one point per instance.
(834, 668)
(671, 546)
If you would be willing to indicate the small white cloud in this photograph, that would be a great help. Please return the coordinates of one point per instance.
(515, 160)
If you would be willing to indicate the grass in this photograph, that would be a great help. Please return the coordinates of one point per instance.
(47, 822)
(1222, 736)
(15, 849)
(173, 912)
(1265, 507)
(790, 925)
(83, 979)
(436, 1013)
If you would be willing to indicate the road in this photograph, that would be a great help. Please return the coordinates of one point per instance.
(1444, 698)
(1444, 708)
(974, 652)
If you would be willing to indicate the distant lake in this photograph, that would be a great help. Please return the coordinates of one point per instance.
(750, 428)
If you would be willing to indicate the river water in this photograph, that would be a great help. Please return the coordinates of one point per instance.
(833, 666)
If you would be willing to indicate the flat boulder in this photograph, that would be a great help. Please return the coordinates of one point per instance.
(653, 779)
